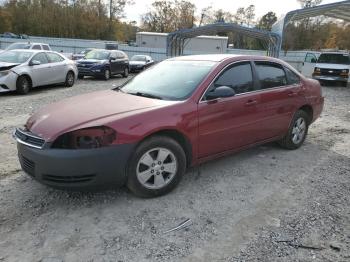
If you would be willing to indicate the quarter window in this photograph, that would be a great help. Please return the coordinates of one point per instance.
(41, 57)
(46, 47)
(293, 78)
(238, 77)
(54, 58)
(270, 75)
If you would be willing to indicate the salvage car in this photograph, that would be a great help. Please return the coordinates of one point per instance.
(177, 114)
(22, 70)
(140, 62)
(101, 63)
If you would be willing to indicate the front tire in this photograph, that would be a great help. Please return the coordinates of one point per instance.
(70, 79)
(23, 85)
(156, 167)
(297, 131)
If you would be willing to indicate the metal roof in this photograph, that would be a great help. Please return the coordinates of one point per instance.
(176, 40)
(338, 10)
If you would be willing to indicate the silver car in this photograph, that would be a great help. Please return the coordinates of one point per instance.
(21, 70)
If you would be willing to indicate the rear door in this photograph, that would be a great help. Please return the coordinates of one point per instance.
(115, 68)
(280, 90)
(229, 123)
(58, 68)
(309, 64)
(40, 74)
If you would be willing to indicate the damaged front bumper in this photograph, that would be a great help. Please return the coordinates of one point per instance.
(7, 81)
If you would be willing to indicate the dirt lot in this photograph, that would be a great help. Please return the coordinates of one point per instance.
(264, 204)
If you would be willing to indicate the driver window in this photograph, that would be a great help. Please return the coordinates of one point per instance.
(238, 77)
(113, 55)
(41, 57)
(310, 58)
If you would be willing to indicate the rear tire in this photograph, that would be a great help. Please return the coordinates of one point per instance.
(126, 72)
(297, 131)
(23, 85)
(70, 79)
(107, 74)
(156, 167)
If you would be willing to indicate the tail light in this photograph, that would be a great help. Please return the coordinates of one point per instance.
(87, 138)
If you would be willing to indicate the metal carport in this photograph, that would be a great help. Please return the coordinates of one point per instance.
(176, 41)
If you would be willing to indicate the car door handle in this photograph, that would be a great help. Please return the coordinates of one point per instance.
(251, 103)
(292, 94)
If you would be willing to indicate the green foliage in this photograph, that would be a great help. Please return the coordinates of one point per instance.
(88, 19)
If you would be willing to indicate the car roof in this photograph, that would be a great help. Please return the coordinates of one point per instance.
(221, 57)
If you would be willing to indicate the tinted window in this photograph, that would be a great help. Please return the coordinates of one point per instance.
(121, 55)
(238, 77)
(46, 47)
(270, 75)
(292, 77)
(41, 57)
(38, 47)
(54, 58)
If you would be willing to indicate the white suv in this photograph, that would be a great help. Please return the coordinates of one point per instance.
(29, 45)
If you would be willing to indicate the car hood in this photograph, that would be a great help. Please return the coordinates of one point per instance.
(332, 66)
(93, 109)
(6, 66)
(137, 63)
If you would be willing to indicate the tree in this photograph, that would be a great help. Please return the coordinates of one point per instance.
(267, 21)
(249, 14)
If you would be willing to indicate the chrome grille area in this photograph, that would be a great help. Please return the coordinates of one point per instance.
(29, 139)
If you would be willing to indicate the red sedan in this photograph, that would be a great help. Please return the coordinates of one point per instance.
(179, 113)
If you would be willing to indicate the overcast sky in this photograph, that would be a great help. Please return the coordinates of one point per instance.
(280, 7)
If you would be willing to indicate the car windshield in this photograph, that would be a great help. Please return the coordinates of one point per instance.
(169, 80)
(15, 56)
(138, 58)
(97, 54)
(341, 59)
(18, 46)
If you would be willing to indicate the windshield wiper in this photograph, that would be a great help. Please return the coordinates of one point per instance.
(146, 95)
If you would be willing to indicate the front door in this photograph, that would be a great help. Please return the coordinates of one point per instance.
(233, 122)
(309, 64)
(40, 73)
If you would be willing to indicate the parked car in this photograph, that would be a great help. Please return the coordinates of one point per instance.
(328, 67)
(103, 63)
(140, 62)
(29, 45)
(81, 54)
(22, 70)
(179, 113)
(9, 35)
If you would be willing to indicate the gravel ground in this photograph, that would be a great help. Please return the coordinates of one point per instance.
(264, 204)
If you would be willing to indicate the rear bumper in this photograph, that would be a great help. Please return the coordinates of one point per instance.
(76, 169)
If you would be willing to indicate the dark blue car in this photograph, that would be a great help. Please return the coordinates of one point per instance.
(101, 63)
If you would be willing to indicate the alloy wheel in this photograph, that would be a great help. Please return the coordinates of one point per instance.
(156, 168)
(299, 130)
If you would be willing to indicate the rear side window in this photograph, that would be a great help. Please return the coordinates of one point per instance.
(238, 77)
(46, 47)
(293, 78)
(270, 75)
(54, 58)
(37, 47)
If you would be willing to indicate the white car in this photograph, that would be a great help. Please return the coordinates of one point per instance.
(328, 67)
(21, 70)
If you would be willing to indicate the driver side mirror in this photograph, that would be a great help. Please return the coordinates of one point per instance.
(220, 92)
(112, 58)
(34, 63)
